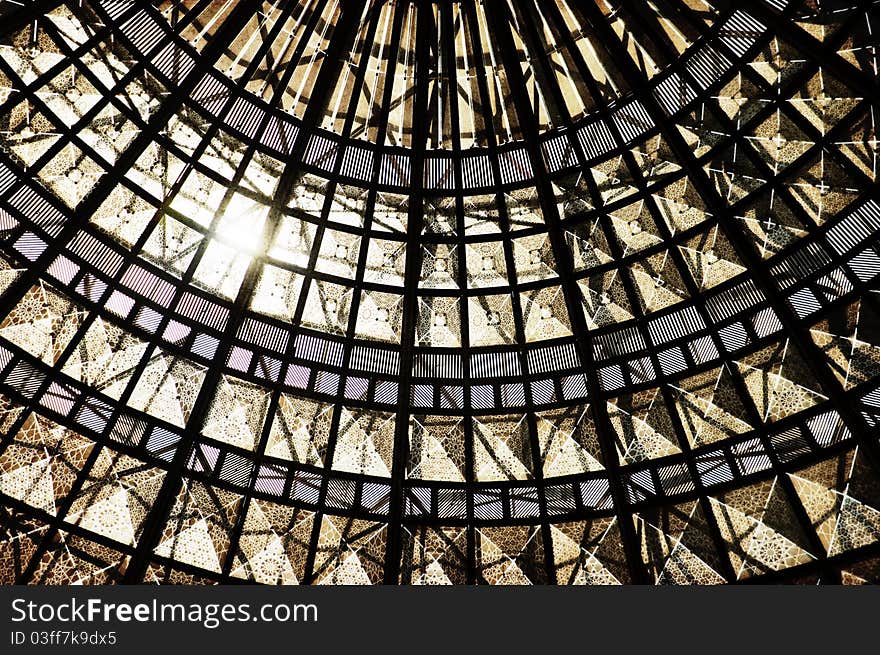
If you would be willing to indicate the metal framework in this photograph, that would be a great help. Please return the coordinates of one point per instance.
(450, 292)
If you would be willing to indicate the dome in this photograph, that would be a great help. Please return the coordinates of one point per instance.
(439, 292)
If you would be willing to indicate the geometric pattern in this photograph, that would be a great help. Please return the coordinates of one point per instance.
(439, 292)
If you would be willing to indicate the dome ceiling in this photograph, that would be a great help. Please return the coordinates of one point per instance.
(439, 292)
(465, 50)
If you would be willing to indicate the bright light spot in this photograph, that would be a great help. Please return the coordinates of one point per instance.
(242, 224)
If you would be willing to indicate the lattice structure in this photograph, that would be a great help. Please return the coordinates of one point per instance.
(450, 292)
